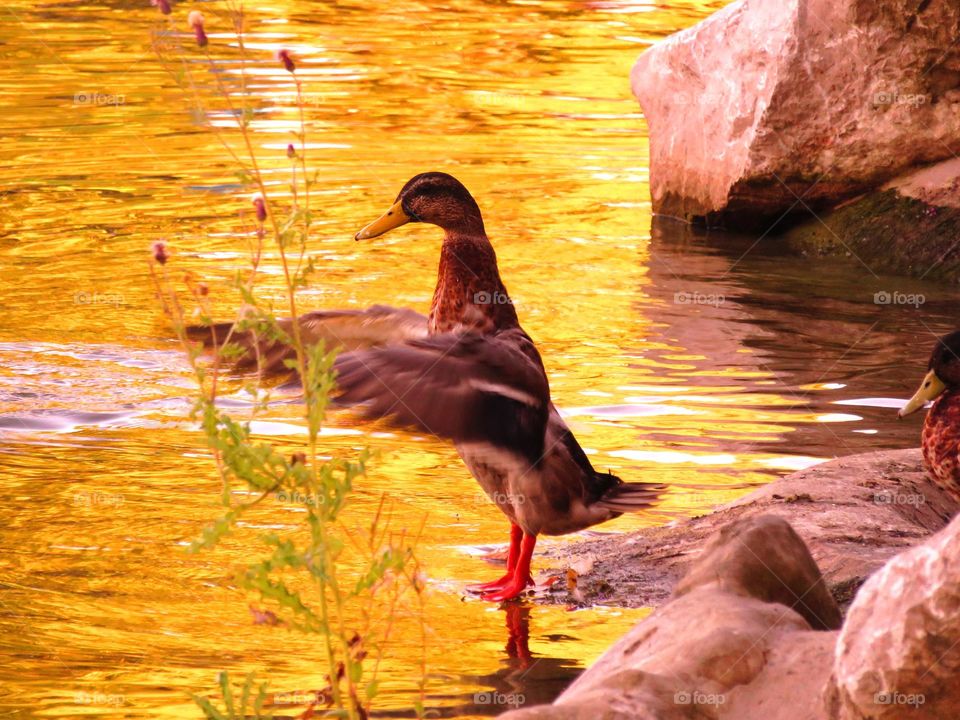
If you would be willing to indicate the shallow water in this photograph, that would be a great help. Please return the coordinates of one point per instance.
(708, 362)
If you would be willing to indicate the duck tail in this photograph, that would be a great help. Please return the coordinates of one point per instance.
(631, 497)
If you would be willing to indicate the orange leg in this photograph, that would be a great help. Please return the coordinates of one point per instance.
(521, 573)
(516, 534)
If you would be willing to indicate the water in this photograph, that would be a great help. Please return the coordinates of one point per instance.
(702, 361)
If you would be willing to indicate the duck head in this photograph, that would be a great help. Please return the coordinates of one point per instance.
(435, 198)
(943, 373)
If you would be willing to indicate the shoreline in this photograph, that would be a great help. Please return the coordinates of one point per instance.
(854, 513)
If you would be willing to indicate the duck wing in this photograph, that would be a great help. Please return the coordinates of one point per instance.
(347, 329)
(464, 386)
(567, 467)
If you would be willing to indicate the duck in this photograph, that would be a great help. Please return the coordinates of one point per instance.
(940, 437)
(469, 374)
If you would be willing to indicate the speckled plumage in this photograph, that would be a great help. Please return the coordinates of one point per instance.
(940, 442)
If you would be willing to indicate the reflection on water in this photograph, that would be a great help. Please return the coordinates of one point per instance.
(698, 360)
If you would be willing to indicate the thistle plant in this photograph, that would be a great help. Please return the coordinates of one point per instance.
(348, 586)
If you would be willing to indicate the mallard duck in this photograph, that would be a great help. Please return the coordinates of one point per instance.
(940, 439)
(470, 374)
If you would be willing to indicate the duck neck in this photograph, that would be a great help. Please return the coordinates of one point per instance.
(469, 292)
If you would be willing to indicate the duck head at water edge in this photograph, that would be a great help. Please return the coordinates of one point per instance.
(943, 374)
(940, 439)
(435, 198)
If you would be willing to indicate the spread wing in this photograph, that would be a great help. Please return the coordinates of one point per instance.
(466, 387)
(347, 329)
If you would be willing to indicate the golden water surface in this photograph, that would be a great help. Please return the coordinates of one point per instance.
(699, 361)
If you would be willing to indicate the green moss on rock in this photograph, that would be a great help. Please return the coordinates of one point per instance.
(889, 233)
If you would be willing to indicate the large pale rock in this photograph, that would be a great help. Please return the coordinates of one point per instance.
(723, 640)
(898, 655)
(770, 101)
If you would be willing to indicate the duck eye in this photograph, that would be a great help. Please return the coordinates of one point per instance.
(412, 215)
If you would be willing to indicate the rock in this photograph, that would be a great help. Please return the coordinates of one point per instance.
(854, 514)
(771, 107)
(899, 651)
(759, 557)
(909, 226)
(719, 640)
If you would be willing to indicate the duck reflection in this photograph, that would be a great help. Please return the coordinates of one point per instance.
(523, 679)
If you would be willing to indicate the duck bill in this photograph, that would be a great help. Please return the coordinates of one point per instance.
(392, 218)
(930, 389)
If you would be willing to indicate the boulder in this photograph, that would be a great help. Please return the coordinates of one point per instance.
(760, 557)
(721, 637)
(737, 637)
(776, 107)
(898, 655)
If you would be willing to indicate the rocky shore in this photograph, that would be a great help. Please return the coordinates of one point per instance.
(842, 116)
(854, 514)
(751, 622)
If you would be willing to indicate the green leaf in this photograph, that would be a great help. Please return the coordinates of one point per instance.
(209, 710)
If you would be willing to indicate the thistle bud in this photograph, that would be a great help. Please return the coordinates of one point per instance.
(195, 20)
(159, 250)
(298, 458)
(286, 60)
(164, 5)
(260, 207)
(291, 151)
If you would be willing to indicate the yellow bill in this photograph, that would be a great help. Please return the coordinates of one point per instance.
(392, 218)
(930, 388)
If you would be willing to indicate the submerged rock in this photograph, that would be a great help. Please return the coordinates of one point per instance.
(770, 107)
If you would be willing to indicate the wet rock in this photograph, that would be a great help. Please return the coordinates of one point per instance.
(909, 226)
(720, 641)
(772, 106)
(854, 514)
(898, 655)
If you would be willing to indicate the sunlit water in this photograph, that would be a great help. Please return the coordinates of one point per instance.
(704, 362)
